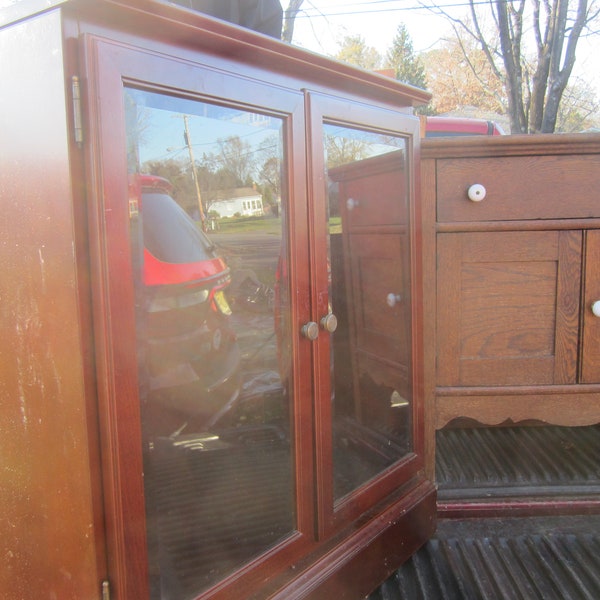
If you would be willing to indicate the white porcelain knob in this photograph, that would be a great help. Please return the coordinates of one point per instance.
(596, 308)
(476, 192)
(393, 299)
(351, 203)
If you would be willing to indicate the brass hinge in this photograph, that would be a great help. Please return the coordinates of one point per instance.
(77, 117)
(106, 590)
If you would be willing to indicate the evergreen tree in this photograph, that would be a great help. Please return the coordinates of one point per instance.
(401, 57)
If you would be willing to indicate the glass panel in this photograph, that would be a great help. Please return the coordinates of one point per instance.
(207, 216)
(370, 296)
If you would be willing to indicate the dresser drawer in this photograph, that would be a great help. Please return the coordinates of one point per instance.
(519, 187)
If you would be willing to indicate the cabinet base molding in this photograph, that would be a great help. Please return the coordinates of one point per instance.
(512, 507)
(554, 405)
(355, 566)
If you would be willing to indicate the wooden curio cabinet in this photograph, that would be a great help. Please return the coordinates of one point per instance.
(239, 266)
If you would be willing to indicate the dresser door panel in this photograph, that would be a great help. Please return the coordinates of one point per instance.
(508, 308)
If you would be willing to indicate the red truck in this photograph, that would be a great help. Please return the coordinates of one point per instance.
(457, 126)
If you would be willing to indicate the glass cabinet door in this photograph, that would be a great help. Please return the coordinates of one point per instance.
(198, 327)
(363, 195)
(208, 212)
(367, 204)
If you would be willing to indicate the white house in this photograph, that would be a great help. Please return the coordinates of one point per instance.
(246, 202)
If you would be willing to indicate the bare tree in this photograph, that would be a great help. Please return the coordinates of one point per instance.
(289, 18)
(534, 87)
(579, 109)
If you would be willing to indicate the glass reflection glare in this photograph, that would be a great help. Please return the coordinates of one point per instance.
(207, 219)
(367, 194)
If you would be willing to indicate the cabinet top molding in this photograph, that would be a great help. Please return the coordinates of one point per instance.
(164, 22)
(511, 145)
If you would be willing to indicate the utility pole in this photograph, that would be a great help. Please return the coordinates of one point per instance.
(188, 143)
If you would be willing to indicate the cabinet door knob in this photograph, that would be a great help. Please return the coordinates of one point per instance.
(351, 203)
(310, 331)
(393, 299)
(596, 308)
(329, 323)
(476, 192)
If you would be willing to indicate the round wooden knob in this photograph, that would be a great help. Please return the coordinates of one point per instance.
(310, 331)
(329, 323)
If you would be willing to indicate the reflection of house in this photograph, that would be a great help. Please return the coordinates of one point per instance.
(246, 202)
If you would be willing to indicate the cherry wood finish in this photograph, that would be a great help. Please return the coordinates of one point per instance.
(512, 279)
(324, 108)
(72, 424)
(51, 530)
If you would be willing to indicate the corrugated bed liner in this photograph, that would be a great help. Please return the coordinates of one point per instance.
(545, 558)
(517, 461)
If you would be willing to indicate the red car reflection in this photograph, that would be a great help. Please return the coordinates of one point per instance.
(189, 352)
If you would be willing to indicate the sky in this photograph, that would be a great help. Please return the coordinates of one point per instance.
(323, 23)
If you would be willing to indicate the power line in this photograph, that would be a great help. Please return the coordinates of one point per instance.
(333, 12)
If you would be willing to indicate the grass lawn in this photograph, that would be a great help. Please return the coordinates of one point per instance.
(264, 224)
(247, 224)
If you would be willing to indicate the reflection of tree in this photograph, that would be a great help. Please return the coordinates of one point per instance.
(213, 178)
(236, 164)
(179, 175)
(269, 175)
(236, 158)
(269, 178)
(226, 170)
(342, 150)
(138, 122)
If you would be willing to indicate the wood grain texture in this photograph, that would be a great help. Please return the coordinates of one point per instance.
(516, 276)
